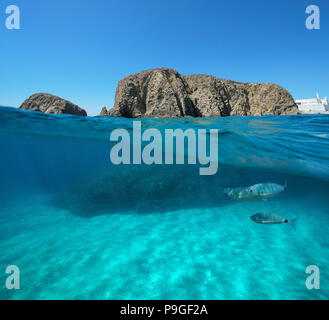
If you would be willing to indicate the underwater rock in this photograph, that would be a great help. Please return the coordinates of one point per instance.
(141, 189)
(164, 92)
(149, 189)
(47, 103)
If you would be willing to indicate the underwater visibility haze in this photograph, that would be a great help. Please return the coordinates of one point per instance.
(80, 227)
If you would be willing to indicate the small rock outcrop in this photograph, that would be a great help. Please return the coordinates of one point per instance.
(165, 93)
(47, 103)
(104, 112)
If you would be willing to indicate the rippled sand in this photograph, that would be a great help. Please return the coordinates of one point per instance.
(216, 253)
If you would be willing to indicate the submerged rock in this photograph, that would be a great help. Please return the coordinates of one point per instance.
(139, 189)
(47, 103)
(165, 93)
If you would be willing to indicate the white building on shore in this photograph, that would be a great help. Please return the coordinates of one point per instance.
(313, 105)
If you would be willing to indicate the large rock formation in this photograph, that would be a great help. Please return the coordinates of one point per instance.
(165, 93)
(48, 103)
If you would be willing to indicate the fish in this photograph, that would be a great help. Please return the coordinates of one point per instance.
(266, 190)
(272, 218)
(260, 191)
(240, 193)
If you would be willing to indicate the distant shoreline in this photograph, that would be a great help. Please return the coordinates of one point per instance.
(313, 112)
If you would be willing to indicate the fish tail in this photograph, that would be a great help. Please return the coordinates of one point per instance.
(227, 190)
(285, 185)
(292, 223)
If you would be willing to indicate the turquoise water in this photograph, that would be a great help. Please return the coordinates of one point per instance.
(79, 227)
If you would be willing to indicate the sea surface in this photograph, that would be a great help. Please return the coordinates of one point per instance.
(80, 227)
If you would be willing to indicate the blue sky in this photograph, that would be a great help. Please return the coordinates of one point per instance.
(79, 50)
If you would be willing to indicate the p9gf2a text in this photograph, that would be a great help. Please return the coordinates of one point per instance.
(186, 309)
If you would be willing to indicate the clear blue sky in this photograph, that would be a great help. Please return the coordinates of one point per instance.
(80, 49)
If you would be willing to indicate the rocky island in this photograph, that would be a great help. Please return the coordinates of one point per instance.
(165, 93)
(47, 103)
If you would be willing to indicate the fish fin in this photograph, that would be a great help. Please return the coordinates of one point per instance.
(285, 186)
(292, 223)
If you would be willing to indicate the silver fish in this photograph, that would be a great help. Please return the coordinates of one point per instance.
(266, 190)
(238, 193)
(272, 218)
(260, 191)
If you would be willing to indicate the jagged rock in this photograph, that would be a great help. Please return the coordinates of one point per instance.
(165, 93)
(153, 93)
(48, 103)
(269, 98)
(104, 112)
